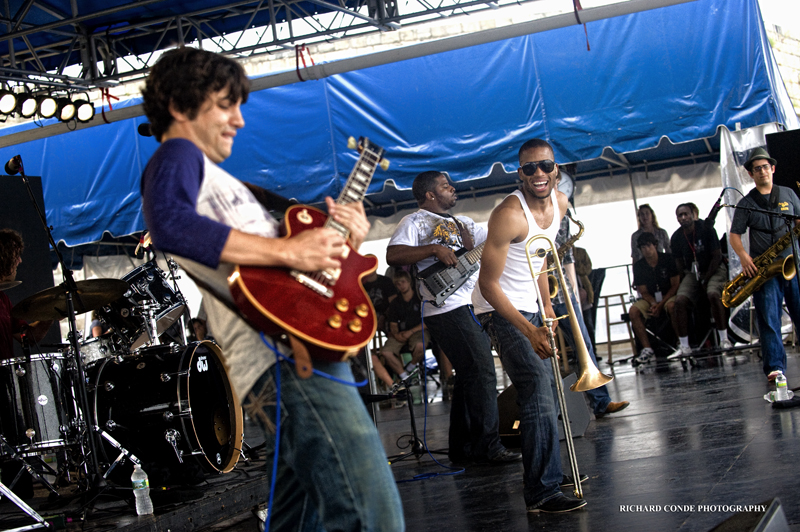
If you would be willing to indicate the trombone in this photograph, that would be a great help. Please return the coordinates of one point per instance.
(589, 377)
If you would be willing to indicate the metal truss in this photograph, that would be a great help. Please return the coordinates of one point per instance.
(64, 44)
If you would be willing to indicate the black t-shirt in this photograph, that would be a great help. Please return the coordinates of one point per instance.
(379, 292)
(404, 313)
(702, 243)
(656, 278)
(765, 230)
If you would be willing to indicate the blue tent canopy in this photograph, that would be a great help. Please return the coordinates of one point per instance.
(678, 72)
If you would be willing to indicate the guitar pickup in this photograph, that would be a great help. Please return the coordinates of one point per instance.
(307, 281)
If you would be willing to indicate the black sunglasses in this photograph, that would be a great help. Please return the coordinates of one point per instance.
(547, 166)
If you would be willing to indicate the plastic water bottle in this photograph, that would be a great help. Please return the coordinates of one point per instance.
(781, 388)
(141, 489)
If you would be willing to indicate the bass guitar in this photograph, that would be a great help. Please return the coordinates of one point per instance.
(442, 280)
(329, 311)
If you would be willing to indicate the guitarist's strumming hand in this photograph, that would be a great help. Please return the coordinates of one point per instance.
(353, 217)
(313, 250)
(445, 254)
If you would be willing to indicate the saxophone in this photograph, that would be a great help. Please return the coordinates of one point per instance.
(562, 250)
(769, 265)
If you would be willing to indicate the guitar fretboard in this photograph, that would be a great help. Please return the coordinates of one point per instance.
(356, 187)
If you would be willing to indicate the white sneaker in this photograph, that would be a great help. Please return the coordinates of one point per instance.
(725, 344)
(645, 356)
(681, 352)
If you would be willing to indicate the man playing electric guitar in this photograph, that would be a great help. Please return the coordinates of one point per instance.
(333, 472)
(421, 238)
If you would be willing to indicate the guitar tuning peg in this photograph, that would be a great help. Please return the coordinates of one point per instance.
(351, 143)
(384, 164)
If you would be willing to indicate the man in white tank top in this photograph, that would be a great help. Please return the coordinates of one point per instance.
(505, 301)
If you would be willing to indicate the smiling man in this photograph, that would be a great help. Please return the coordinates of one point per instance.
(506, 303)
(332, 469)
(765, 230)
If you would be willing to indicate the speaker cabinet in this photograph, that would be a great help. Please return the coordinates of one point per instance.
(579, 415)
(784, 147)
(773, 519)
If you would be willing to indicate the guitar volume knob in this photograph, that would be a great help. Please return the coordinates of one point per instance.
(362, 311)
(354, 325)
(342, 305)
(335, 321)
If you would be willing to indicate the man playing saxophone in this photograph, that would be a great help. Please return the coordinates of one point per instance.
(765, 231)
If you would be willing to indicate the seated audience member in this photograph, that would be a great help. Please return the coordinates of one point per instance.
(381, 292)
(648, 223)
(405, 326)
(656, 277)
(698, 257)
(200, 330)
(97, 326)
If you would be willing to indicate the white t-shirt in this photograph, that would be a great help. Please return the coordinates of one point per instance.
(423, 228)
(516, 280)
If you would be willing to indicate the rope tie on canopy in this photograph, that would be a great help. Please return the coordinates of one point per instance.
(106, 96)
(576, 4)
(299, 51)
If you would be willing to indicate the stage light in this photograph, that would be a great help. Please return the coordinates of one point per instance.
(47, 106)
(84, 110)
(26, 104)
(66, 109)
(8, 102)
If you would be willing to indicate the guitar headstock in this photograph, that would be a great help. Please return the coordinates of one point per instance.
(364, 143)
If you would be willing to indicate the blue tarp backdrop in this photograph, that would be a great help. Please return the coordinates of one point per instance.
(678, 72)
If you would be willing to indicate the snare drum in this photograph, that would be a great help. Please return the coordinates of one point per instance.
(32, 415)
(148, 284)
(168, 404)
(98, 348)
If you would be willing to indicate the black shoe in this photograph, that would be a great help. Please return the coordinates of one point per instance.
(505, 456)
(558, 505)
(568, 482)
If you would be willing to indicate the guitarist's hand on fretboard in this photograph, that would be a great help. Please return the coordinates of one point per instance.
(353, 217)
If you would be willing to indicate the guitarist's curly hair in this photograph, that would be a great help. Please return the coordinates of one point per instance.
(184, 78)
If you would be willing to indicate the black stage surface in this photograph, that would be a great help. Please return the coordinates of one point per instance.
(694, 443)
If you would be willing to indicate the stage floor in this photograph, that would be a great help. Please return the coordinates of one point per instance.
(693, 445)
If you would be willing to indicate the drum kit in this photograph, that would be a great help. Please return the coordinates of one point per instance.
(151, 396)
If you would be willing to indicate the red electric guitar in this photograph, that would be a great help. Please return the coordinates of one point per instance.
(328, 310)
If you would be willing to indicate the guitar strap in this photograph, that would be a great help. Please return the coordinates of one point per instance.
(466, 237)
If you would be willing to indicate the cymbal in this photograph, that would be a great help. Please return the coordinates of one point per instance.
(51, 304)
(6, 285)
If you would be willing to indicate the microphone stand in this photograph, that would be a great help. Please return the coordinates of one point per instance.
(92, 466)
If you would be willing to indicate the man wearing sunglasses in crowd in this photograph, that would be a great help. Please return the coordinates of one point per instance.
(506, 304)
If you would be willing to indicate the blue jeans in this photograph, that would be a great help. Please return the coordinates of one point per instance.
(332, 469)
(598, 398)
(474, 419)
(538, 407)
(769, 310)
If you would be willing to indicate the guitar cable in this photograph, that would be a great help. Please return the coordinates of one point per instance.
(278, 359)
(451, 470)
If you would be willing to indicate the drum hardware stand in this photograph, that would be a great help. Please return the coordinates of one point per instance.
(40, 522)
(93, 470)
(124, 453)
(27, 467)
(148, 310)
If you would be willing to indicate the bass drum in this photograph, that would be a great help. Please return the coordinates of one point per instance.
(170, 404)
